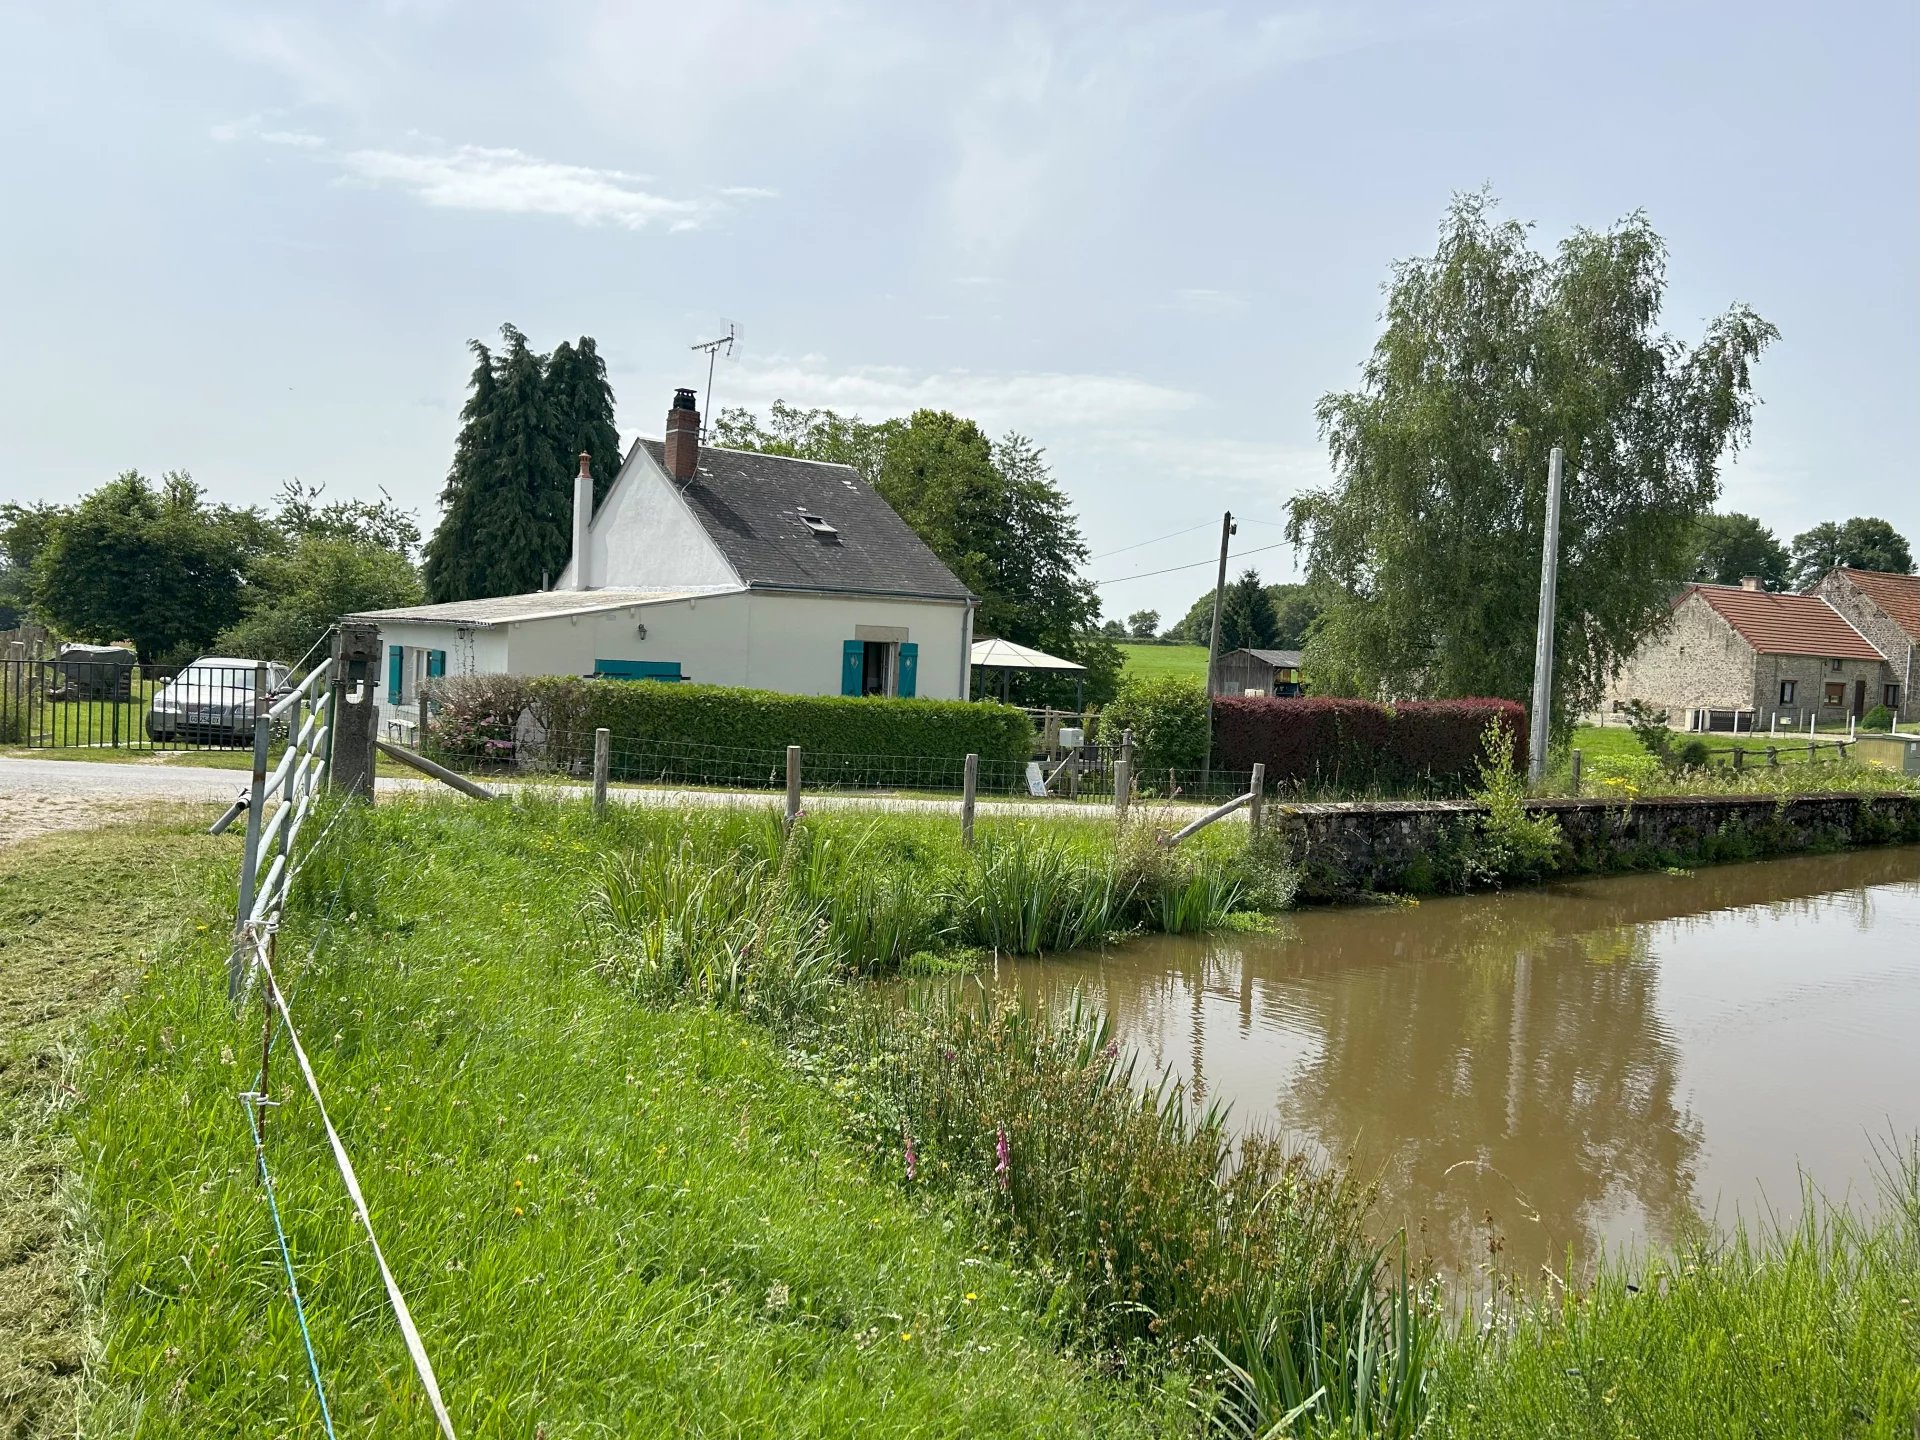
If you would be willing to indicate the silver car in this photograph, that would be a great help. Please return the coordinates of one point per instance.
(212, 700)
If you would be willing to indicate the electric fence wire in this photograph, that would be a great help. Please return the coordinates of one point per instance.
(252, 1103)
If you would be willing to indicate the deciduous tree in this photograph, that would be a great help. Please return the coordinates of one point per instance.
(156, 565)
(1427, 543)
(1865, 542)
(1734, 546)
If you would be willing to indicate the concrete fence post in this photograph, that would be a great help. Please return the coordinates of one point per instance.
(1256, 807)
(1574, 759)
(356, 657)
(602, 764)
(969, 788)
(420, 725)
(793, 785)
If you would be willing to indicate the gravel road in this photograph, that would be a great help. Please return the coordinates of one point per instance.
(40, 795)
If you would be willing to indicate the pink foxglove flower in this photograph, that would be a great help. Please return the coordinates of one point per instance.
(1002, 1154)
(913, 1157)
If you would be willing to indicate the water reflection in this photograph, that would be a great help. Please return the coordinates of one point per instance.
(1556, 1070)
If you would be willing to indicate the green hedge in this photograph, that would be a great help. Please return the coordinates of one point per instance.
(717, 732)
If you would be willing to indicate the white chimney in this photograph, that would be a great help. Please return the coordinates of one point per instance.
(582, 522)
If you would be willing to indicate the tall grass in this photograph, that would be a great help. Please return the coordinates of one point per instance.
(697, 901)
(1800, 1326)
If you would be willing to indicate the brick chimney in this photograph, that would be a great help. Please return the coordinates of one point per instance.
(1749, 582)
(683, 437)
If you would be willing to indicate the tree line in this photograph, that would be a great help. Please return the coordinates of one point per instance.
(157, 564)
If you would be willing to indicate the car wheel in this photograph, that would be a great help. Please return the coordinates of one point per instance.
(155, 733)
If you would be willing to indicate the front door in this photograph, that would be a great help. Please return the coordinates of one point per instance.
(1859, 698)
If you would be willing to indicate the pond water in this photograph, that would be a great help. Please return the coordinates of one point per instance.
(1589, 1066)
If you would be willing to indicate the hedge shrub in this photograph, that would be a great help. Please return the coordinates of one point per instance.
(1356, 745)
(729, 735)
(1168, 717)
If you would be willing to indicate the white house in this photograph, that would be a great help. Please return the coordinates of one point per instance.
(726, 567)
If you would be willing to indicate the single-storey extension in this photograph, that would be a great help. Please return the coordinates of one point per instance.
(1741, 651)
(727, 567)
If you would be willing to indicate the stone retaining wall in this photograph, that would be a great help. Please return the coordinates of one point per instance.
(1422, 847)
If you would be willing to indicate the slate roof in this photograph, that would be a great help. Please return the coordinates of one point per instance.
(1787, 624)
(750, 504)
(1897, 595)
(495, 610)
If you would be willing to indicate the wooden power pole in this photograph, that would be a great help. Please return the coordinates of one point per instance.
(1227, 530)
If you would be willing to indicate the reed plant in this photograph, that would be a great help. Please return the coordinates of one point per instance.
(1153, 1226)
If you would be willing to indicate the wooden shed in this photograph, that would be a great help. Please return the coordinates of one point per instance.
(1258, 672)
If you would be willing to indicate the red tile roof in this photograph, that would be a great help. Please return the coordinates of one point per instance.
(1787, 624)
(1898, 595)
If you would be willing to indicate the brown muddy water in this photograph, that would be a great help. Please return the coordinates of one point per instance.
(1592, 1066)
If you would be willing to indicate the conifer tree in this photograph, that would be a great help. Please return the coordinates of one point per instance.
(507, 528)
(582, 402)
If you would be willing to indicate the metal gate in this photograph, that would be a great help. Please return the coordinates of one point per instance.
(87, 704)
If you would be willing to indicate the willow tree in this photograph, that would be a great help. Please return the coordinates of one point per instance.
(1427, 543)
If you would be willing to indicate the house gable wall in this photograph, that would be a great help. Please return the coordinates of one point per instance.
(645, 537)
(1696, 662)
(1882, 632)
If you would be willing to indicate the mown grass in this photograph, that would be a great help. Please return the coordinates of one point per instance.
(80, 913)
(608, 1219)
(1189, 661)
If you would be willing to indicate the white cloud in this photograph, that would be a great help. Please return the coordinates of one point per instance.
(749, 192)
(480, 177)
(1043, 402)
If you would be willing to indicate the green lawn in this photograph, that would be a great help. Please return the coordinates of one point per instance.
(1153, 660)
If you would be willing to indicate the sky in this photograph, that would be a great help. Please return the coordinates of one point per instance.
(251, 240)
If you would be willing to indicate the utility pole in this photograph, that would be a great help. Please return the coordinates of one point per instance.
(1227, 530)
(1543, 638)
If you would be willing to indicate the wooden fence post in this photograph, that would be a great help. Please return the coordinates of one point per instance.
(1773, 758)
(1575, 757)
(602, 766)
(1739, 758)
(793, 785)
(969, 786)
(1257, 805)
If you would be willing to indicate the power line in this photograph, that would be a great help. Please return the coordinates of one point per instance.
(1155, 541)
(1197, 564)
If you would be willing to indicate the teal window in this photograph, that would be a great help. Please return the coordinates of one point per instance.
(436, 664)
(638, 669)
(396, 672)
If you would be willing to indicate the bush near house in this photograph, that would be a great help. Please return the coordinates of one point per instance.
(1358, 745)
(1878, 718)
(1168, 717)
(726, 726)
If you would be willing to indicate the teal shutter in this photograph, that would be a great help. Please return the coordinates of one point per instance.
(639, 669)
(853, 664)
(436, 663)
(909, 670)
(396, 668)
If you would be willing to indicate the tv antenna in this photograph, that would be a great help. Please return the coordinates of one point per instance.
(714, 348)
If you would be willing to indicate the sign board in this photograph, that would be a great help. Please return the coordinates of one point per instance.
(1036, 782)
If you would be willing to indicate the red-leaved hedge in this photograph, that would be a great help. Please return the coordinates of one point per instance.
(1426, 745)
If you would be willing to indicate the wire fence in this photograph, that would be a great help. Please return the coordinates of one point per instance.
(1086, 775)
(270, 863)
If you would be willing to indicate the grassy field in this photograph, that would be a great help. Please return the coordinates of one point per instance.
(1152, 660)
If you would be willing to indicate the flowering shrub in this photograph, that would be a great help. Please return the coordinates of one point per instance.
(477, 715)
